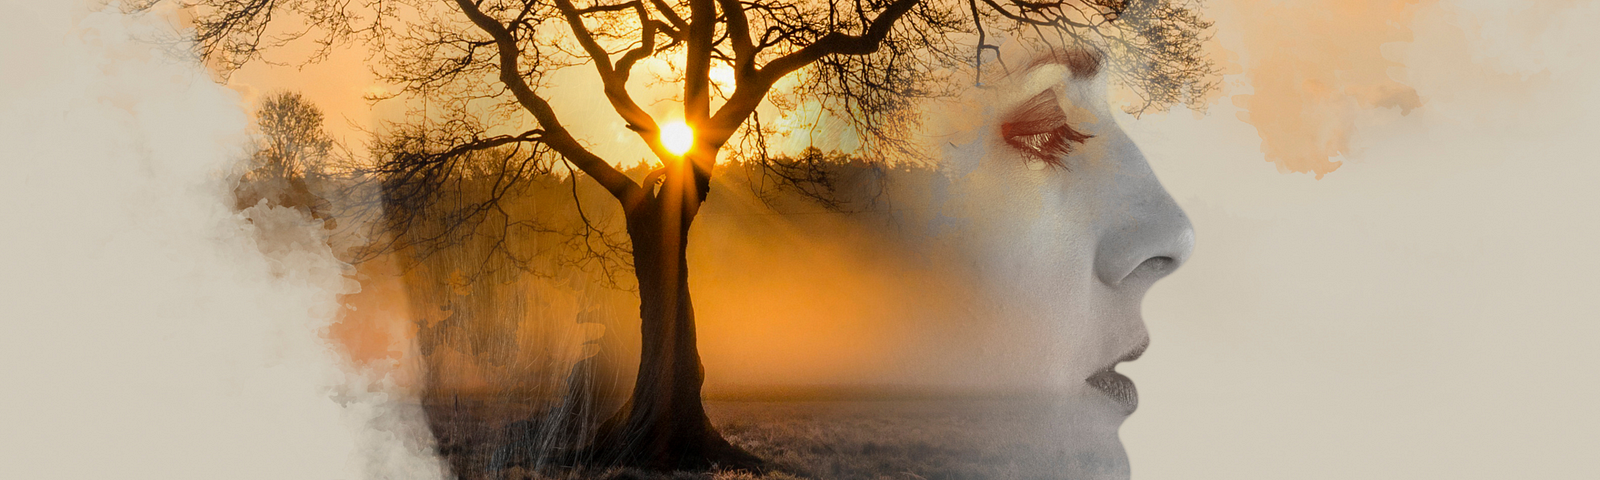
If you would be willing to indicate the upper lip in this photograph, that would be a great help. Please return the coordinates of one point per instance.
(1133, 354)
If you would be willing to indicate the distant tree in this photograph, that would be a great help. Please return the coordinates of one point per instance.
(484, 66)
(292, 144)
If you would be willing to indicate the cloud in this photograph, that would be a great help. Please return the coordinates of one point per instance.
(152, 331)
(1312, 68)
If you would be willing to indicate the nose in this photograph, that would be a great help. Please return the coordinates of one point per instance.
(1147, 236)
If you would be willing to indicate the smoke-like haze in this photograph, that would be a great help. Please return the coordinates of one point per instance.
(1422, 312)
(152, 331)
(1311, 69)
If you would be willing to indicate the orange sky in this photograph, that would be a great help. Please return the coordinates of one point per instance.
(1300, 73)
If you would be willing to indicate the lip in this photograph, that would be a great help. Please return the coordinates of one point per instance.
(1116, 386)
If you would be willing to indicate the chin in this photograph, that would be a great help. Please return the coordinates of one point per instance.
(1079, 431)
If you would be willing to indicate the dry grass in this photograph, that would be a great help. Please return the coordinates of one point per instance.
(882, 439)
(902, 439)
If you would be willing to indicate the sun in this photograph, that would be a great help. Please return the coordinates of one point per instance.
(677, 137)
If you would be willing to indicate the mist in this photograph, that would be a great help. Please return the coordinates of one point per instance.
(153, 331)
(791, 295)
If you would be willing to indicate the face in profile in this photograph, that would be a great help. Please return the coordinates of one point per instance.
(1048, 228)
(1068, 228)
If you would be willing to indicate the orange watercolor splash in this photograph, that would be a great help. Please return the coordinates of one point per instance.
(1314, 66)
(375, 330)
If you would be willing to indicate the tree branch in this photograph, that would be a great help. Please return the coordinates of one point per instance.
(607, 8)
(647, 43)
(839, 43)
(739, 32)
(678, 25)
(614, 79)
(556, 136)
(1019, 18)
(747, 96)
(697, 64)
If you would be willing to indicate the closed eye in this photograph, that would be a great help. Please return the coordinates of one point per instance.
(1039, 130)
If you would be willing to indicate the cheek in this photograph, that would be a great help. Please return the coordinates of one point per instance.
(1032, 236)
(1030, 220)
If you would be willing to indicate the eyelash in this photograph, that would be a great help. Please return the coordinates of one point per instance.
(1048, 145)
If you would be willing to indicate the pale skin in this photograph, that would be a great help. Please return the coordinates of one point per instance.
(1066, 243)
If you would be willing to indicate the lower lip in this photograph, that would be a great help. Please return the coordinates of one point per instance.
(1117, 386)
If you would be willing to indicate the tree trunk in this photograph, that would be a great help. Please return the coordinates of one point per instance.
(664, 425)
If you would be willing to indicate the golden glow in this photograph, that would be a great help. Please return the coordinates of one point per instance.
(722, 75)
(677, 137)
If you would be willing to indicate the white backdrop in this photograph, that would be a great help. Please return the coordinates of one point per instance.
(1426, 311)
(1429, 310)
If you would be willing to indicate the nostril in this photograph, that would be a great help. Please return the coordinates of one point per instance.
(1152, 269)
(1150, 241)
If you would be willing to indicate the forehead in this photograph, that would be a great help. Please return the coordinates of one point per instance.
(1076, 75)
(1072, 72)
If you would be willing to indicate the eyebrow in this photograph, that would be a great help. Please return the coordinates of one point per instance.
(1081, 64)
(1078, 60)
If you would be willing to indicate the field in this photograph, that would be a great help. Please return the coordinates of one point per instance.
(905, 439)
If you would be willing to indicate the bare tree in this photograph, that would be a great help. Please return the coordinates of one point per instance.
(483, 65)
(293, 144)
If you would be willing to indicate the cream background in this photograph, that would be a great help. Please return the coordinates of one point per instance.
(1428, 310)
(1424, 311)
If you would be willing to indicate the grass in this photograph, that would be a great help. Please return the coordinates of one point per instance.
(899, 439)
(922, 439)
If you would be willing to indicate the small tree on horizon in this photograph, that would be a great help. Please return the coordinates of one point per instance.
(483, 66)
(292, 144)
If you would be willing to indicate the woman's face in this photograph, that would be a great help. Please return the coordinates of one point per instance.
(1068, 227)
